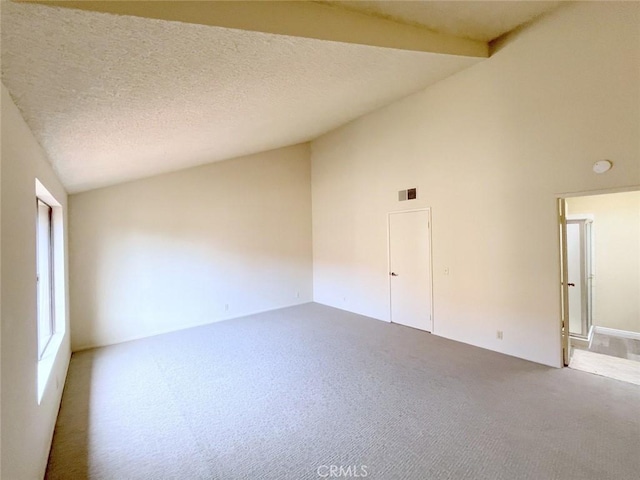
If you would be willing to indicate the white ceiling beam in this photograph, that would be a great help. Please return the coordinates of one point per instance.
(298, 19)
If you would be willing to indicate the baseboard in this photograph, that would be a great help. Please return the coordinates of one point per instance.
(345, 309)
(185, 326)
(614, 332)
(579, 342)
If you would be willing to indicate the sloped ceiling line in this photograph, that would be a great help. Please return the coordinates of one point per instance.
(112, 98)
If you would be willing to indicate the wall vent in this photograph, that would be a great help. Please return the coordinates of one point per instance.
(408, 194)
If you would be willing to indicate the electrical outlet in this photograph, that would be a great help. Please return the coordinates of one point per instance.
(297, 294)
(499, 334)
(226, 307)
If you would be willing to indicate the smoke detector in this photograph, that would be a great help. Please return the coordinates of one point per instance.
(602, 166)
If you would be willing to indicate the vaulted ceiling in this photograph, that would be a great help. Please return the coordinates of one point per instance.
(113, 96)
(476, 20)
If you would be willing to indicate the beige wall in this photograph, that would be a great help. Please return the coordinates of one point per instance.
(169, 252)
(27, 427)
(2, 93)
(489, 149)
(616, 257)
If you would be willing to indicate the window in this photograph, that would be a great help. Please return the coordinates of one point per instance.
(44, 275)
(51, 310)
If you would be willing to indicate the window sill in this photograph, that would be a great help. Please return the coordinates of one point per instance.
(45, 365)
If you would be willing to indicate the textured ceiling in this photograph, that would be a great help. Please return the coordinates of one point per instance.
(477, 20)
(115, 98)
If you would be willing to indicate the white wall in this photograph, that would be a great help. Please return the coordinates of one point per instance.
(169, 252)
(27, 427)
(489, 150)
(616, 238)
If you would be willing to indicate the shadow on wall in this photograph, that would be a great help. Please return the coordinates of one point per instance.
(139, 283)
(191, 247)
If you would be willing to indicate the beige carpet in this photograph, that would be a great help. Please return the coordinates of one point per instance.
(290, 393)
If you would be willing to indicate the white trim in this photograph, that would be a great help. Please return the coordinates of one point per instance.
(43, 194)
(389, 261)
(563, 331)
(603, 191)
(614, 332)
(412, 210)
(590, 336)
(581, 216)
(46, 362)
(163, 331)
(428, 210)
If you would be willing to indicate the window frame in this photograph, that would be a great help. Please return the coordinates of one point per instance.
(43, 343)
(46, 352)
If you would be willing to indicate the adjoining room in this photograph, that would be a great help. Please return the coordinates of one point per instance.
(603, 245)
(319, 239)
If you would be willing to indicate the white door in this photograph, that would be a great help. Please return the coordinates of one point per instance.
(410, 268)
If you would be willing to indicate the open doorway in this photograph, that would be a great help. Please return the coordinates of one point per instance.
(601, 284)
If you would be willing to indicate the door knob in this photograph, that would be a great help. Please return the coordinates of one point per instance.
(393, 274)
(571, 284)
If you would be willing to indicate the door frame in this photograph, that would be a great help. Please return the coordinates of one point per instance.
(564, 281)
(430, 223)
(561, 210)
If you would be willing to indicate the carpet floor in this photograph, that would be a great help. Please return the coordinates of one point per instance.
(312, 392)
